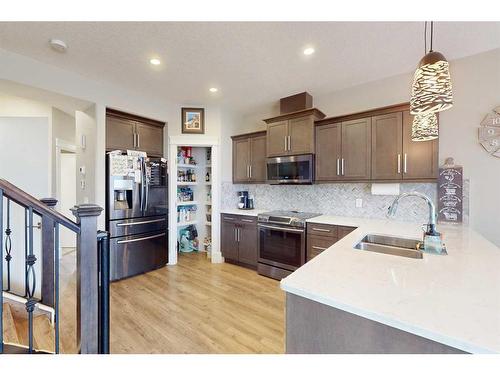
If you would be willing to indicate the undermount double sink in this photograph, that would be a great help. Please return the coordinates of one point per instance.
(390, 245)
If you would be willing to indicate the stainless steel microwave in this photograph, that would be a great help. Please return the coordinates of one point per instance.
(298, 169)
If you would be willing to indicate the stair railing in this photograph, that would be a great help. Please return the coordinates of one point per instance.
(92, 253)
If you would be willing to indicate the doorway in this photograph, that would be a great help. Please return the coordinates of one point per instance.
(66, 174)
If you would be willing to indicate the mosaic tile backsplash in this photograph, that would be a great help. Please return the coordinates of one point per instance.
(333, 199)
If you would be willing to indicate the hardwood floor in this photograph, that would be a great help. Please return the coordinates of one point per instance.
(196, 307)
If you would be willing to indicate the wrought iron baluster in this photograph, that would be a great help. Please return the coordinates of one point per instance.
(1, 271)
(8, 245)
(31, 281)
(56, 287)
(25, 252)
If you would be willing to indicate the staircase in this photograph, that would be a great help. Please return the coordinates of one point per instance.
(15, 330)
(31, 319)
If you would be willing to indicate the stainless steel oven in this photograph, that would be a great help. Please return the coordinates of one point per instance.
(298, 169)
(282, 242)
(281, 246)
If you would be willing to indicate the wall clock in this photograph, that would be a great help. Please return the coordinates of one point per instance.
(489, 132)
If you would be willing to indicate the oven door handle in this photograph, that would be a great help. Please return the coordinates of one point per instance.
(281, 229)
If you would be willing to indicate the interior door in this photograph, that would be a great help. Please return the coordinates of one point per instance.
(277, 133)
(356, 149)
(119, 133)
(28, 168)
(420, 159)
(150, 139)
(241, 155)
(387, 146)
(258, 159)
(301, 132)
(328, 152)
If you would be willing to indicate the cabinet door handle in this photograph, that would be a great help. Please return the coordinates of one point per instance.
(318, 248)
(343, 174)
(289, 143)
(405, 163)
(235, 234)
(286, 143)
(138, 140)
(250, 171)
(399, 163)
(338, 166)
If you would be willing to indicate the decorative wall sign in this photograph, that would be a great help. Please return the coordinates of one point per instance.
(489, 132)
(450, 193)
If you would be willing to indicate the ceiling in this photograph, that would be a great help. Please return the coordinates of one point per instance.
(251, 63)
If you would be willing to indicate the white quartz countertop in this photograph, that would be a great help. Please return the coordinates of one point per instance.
(236, 211)
(453, 299)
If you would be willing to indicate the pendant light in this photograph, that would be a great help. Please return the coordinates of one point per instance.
(424, 127)
(431, 90)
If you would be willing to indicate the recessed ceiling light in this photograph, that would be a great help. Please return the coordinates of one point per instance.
(58, 45)
(155, 61)
(308, 51)
(213, 89)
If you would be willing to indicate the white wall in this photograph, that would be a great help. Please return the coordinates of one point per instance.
(476, 82)
(28, 168)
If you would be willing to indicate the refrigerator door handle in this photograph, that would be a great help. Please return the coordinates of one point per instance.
(146, 187)
(141, 238)
(140, 222)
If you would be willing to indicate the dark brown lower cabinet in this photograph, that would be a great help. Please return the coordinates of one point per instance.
(321, 236)
(239, 242)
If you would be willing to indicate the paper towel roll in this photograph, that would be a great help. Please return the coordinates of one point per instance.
(385, 189)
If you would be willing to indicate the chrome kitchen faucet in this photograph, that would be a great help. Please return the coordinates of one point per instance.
(432, 240)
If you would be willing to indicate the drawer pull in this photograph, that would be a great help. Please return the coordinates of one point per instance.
(247, 220)
(228, 218)
(318, 248)
(321, 230)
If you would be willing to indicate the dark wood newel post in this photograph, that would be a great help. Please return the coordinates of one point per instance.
(87, 278)
(48, 255)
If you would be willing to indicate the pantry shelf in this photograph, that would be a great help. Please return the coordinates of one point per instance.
(187, 166)
(185, 183)
(187, 203)
(186, 223)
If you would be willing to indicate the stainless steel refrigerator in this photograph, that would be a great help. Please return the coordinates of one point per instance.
(137, 216)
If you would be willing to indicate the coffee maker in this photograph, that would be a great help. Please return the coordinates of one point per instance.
(244, 201)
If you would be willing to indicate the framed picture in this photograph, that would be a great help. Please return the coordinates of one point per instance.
(193, 120)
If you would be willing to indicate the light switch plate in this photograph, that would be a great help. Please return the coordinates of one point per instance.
(359, 203)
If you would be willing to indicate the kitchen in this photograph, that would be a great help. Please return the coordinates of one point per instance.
(306, 210)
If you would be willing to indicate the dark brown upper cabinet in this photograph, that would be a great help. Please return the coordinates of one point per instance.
(328, 152)
(373, 145)
(129, 132)
(292, 133)
(249, 158)
(387, 146)
(343, 151)
(420, 159)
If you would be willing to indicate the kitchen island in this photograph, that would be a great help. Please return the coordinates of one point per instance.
(347, 300)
